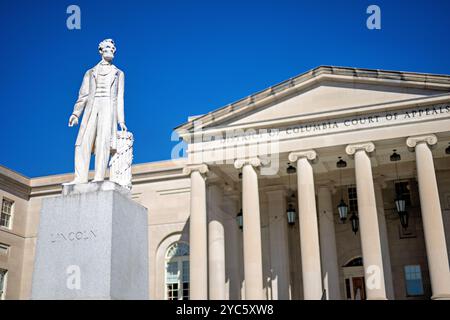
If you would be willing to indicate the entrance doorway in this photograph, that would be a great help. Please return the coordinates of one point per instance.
(354, 279)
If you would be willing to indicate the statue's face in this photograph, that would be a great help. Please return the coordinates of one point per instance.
(108, 52)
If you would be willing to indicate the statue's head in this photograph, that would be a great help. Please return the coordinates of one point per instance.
(107, 48)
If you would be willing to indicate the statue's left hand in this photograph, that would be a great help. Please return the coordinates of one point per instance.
(122, 126)
(73, 120)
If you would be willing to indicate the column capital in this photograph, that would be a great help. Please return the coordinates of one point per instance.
(429, 139)
(366, 146)
(308, 154)
(202, 168)
(255, 162)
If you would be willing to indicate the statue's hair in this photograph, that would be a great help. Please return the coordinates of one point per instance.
(103, 44)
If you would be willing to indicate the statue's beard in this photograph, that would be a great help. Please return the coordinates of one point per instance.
(108, 56)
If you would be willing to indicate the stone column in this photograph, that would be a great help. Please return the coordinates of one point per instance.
(216, 245)
(433, 226)
(368, 221)
(253, 272)
(233, 249)
(309, 233)
(330, 267)
(384, 239)
(198, 257)
(279, 251)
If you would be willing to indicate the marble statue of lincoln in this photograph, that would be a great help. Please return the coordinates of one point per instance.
(101, 100)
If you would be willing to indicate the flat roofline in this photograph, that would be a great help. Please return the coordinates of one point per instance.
(138, 168)
(17, 176)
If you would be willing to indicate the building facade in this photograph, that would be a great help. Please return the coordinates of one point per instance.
(257, 208)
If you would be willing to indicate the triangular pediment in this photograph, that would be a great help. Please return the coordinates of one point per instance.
(325, 90)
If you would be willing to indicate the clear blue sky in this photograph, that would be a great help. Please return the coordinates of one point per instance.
(185, 58)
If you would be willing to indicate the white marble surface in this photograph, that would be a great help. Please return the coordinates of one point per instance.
(120, 163)
(101, 103)
(73, 189)
(101, 232)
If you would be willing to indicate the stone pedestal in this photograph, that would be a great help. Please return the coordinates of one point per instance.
(92, 244)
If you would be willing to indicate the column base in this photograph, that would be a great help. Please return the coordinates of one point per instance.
(441, 296)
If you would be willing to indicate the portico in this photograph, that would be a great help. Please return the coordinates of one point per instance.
(308, 122)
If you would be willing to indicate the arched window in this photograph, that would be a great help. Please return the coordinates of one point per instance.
(355, 262)
(177, 271)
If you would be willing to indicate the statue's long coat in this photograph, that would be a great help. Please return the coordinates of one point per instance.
(86, 100)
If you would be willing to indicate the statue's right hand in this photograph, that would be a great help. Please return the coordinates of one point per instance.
(73, 120)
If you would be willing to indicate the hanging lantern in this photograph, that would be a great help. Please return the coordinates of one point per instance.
(400, 203)
(291, 169)
(355, 222)
(404, 219)
(395, 156)
(291, 215)
(240, 219)
(341, 163)
(447, 150)
(290, 212)
(343, 210)
(342, 207)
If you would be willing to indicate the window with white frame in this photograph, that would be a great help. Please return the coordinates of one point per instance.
(3, 274)
(413, 280)
(6, 213)
(177, 272)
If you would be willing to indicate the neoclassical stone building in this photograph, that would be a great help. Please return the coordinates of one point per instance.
(334, 184)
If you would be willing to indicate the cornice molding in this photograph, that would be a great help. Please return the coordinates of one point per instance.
(15, 187)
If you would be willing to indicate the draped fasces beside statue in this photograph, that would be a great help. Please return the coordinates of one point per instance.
(100, 101)
(120, 163)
